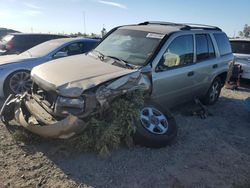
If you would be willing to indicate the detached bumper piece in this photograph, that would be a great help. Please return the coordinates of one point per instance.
(32, 116)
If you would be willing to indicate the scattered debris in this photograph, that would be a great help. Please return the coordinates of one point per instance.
(203, 111)
(234, 76)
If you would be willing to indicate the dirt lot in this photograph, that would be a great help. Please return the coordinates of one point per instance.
(212, 152)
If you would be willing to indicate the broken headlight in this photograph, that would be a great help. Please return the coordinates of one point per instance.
(66, 105)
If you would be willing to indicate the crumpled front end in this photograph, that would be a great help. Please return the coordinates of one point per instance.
(26, 111)
(54, 116)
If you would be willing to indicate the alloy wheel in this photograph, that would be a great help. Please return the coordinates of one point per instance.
(20, 82)
(215, 90)
(153, 120)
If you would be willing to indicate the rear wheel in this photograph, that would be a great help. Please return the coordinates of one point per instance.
(17, 82)
(213, 92)
(155, 127)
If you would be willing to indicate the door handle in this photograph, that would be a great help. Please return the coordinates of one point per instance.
(191, 73)
(215, 66)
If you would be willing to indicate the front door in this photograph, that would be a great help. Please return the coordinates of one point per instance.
(173, 78)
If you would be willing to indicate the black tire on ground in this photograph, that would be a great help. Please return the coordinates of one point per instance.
(146, 138)
(213, 93)
(7, 112)
(7, 89)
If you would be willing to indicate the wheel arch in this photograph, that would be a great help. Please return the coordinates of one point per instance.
(9, 75)
(223, 77)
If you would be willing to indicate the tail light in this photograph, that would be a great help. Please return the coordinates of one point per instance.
(9, 45)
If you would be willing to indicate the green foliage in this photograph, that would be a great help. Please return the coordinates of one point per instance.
(21, 135)
(113, 128)
(246, 32)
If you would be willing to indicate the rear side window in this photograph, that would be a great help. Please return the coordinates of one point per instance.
(204, 47)
(180, 52)
(240, 47)
(223, 43)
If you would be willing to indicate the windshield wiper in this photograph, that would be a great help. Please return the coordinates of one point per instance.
(100, 55)
(124, 62)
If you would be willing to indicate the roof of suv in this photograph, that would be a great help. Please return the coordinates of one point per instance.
(168, 27)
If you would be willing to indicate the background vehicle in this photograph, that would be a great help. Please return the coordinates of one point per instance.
(5, 31)
(15, 69)
(17, 43)
(241, 50)
(172, 63)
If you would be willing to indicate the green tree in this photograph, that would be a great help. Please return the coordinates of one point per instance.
(104, 32)
(246, 31)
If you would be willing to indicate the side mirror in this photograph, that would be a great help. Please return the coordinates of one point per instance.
(60, 54)
(171, 60)
(146, 69)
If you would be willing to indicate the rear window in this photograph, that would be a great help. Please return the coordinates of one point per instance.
(223, 43)
(240, 47)
(204, 47)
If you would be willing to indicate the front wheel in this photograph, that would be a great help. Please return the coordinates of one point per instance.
(156, 127)
(213, 92)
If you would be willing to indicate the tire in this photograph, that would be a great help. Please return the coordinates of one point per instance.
(156, 138)
(213, 93)
(24, 76)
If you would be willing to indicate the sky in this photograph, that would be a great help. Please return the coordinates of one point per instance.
(67, 16)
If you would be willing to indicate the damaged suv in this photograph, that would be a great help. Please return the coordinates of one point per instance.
(172, 63)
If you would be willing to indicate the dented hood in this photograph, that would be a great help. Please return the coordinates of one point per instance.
(72, 75)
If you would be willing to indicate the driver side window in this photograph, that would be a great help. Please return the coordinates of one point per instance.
(179, 53)
(73, 49)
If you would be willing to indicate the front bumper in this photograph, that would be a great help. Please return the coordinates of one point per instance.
(31, 115)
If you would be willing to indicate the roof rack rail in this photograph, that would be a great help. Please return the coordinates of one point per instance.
(202, 26)
(161, 23)
(183, 26)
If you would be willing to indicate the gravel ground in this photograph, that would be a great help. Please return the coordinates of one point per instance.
(212, 152)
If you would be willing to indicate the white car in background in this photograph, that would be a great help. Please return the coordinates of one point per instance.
(241, 51)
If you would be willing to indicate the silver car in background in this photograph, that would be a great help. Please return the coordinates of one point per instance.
(15, 69)
(241, 51)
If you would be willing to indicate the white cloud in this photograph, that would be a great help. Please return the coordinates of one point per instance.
(32, 6)
(32, 12)
(114, 4)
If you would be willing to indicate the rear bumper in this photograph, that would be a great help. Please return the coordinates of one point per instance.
(33, 117)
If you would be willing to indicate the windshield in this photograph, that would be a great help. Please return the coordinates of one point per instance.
(44, 48)
(240, 47)
(134, 47)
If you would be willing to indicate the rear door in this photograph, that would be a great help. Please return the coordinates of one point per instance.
(174, 72)
(206, 63)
